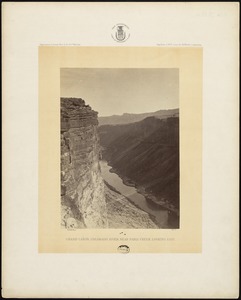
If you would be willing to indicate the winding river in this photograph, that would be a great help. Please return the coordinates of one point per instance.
(163, 217)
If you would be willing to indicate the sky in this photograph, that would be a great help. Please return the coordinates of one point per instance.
(118, 91)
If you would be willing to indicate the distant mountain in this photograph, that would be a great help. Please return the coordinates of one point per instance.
(147, 153)
(131, 118)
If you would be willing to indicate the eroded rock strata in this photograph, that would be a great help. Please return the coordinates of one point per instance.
(83, 202)
(86, 202)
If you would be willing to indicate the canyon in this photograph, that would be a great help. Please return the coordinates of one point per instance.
(145, 154)
(87, 201)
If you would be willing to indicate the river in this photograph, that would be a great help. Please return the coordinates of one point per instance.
(163, 217)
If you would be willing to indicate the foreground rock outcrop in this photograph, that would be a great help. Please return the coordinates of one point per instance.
(123, 214)
(83, 202)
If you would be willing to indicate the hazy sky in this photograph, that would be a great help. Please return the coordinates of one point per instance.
(118, 91)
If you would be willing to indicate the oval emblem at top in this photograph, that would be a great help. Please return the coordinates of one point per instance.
(120, 33)
(123, 249)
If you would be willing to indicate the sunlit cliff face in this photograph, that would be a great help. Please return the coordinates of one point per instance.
(82, 189)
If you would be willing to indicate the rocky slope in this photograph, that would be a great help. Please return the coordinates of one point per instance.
(83, 202)
(146, 153)
(123, 214)
(131, 118)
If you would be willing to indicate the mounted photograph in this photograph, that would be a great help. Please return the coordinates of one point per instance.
(119, 148)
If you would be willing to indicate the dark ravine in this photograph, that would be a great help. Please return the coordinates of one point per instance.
(149, 197)
(145, 154)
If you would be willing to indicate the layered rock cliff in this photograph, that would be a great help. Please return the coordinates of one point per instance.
(83, 202)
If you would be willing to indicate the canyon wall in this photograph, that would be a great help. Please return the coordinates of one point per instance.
(146, 154)
(82, 189)
(127, 118)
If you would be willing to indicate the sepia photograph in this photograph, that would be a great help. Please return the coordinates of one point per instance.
(120, 129)
(119, 148)
(122, 158)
